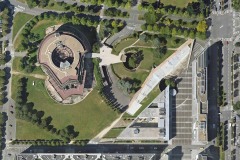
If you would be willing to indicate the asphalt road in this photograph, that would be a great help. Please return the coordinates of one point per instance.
(222, 26)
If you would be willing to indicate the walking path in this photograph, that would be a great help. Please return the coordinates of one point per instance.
(19, 31)
(97, 138)
(32, 75)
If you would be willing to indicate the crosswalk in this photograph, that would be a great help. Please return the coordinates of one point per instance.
(222, 12)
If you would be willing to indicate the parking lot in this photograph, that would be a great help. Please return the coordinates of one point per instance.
(182, 110)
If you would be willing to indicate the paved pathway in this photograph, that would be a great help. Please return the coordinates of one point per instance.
(32, 75)
(97, 138)
(19, 31)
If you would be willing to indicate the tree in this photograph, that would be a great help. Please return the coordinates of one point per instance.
(31, 3)
(237, 44)
(156, 42)
(143, 37)
(96, 47)
(43, 3)
(202, 26)
(192, 34)
(143, 27)
(128, 85)
(155, 27)
(236, 4)
(131, 62)
(140, 7)
(149, 27)
(170, 82)
(128, 5)
(83, 20)
(151, 17)
(236, 106)
(114, 24)
(186, 33)
(29, 69)
(174, 31)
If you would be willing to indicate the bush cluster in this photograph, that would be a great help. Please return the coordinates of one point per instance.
(100, 86)
(31, 40)
(111, 3)
(198, 9)
(173, 30)
(5, 17)
(114, 12)
(3, 79)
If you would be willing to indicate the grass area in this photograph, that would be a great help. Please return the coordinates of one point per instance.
(142, 72)
(177, 3)
(52, 5)
(19, 20)
(222, 153)
(17, 67)
(89, 117)
(124, 43)
(28, 131)
(114, 132)
(151, 96)
(171, 42)
(39, 28)
(145, 67)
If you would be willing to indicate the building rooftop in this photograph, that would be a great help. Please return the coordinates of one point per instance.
(153, 122)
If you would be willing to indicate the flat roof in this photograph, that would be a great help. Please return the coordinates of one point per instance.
(47, 47)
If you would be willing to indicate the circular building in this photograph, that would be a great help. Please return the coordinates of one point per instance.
(61, 56)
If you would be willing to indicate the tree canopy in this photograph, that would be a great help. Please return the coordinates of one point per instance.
(236, 4)
(236, 106)
(202, 26)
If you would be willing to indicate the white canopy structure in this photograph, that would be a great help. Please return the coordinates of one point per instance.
(166, 68)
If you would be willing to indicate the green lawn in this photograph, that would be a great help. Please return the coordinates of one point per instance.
(151, 96)
(17, 67)
(19, 20)
(145, 67)
(124, 43)
(177, 3)
(89, 117)
(170, 43)
(39, 28)
(114, 132)
(55, 6)
(28, 131)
